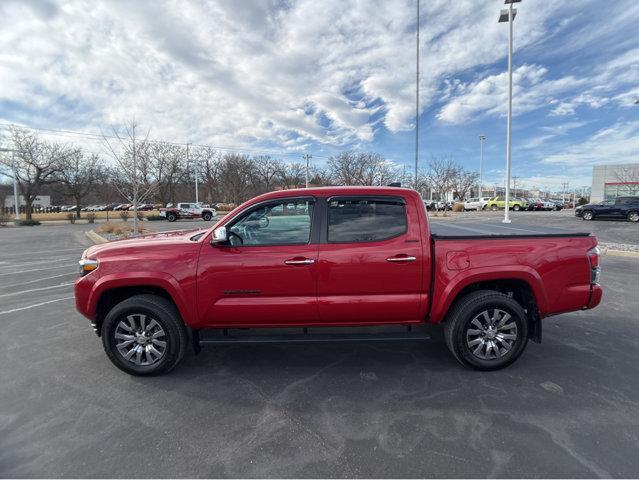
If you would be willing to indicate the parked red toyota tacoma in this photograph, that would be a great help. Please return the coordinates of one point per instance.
(329, 262)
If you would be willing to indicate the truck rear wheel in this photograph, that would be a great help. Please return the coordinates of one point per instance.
(171, 217)
(486, 330)
(144, 335)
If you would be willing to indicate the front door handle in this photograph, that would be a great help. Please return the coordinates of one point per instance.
(301, 261)
(401, 259)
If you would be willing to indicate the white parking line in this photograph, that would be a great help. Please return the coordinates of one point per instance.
(39, 269)
(48, 260)
(34, 305)
(41, 279)
(78, 249)
(36, 290)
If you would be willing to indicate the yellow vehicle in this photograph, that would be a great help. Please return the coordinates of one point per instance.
(499, 203)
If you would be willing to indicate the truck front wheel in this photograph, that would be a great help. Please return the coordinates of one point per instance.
(486, 330)
(144, 335)
(207, 216)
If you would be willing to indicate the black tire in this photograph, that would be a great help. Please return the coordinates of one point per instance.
(207, 216)
(458, 323)
(494, 208)
(633, 217)
(171, 217)
(587, 215)
(516, 208)
(165, 314)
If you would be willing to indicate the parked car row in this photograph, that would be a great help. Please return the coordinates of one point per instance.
(515, 203)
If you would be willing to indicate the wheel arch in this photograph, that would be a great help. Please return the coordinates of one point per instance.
(523, 287)
(107, 294)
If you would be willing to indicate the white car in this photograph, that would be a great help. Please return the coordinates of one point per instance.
(476, 203)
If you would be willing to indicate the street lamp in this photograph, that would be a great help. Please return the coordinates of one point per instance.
(482, 138)
(16, 198)
(508, 15)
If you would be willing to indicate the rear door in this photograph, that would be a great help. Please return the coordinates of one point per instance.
(370, 261)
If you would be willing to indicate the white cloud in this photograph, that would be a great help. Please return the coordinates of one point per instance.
(325, 71)
(618, 143)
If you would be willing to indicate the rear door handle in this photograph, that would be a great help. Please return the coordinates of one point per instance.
(401, 259)
(301, 261)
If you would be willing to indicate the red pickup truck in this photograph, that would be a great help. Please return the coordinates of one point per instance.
(329, 264)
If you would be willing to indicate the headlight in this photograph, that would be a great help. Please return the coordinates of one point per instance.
(87, 266)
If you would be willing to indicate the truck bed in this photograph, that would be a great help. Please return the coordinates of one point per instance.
(444, 230)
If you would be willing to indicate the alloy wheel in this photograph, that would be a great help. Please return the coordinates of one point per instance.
(140, 339)
(491, 334)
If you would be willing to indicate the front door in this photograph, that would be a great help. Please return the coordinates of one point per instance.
(370, 262)
(267, 276)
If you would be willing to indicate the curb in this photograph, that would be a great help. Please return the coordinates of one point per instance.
(618, 253)
(95, 237)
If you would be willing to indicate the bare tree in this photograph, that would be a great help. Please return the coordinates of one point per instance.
(441, 175)
(352, 168)
(265, 171)
(463, 181)
(235, 179)
(629, 176)
(79, 173)
(208, 161)
(36, 164)
(168, 169)
(292, 175)
(132, 173)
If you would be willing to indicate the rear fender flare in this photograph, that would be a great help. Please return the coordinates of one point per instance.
(487, 274)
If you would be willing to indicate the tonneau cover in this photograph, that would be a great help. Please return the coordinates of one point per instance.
(448, 230)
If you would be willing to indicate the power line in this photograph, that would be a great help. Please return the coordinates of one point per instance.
(100, 136)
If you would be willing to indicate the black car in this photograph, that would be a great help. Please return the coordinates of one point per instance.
(620, 207)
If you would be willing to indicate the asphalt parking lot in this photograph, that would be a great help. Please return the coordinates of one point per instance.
(568, 408)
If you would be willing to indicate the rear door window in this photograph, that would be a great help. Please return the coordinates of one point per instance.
(364, 220)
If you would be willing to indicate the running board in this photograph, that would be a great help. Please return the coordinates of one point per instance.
(225, 337)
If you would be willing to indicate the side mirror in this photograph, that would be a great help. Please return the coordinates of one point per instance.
(219, 237)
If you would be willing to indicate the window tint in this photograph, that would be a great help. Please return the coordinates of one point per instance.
(283, 223)
(360, 220)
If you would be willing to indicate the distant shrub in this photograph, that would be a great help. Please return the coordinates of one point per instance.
(91, 217)
(458, 207)
(155, 218)
(140, 215)
(27, 223)
(124, 215)
(582, 201)
(4, 218)
(71, 217)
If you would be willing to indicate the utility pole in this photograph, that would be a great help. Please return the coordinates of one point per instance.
(563, 192)
(307, 157)
(135, 188)
(515, 178)
(197, 199)
(482, 138)
(417, 101)
(16, 198)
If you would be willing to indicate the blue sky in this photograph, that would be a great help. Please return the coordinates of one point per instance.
(298, 76)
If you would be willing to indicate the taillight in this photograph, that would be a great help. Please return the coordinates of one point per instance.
(595, 269)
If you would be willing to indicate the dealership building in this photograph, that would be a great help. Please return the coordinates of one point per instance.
(611, 181)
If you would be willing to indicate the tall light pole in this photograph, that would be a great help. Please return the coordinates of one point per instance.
(482, 138)
(307, 157)
(417, 99)
(195, 172)
(16, 198)
(508, 15)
